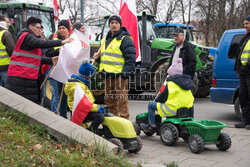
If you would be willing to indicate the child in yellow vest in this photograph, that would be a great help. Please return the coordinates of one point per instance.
(174, 94)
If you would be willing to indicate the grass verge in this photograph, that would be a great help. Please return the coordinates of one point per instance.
(24, 144)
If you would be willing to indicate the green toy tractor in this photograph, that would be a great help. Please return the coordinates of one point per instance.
(195, 133)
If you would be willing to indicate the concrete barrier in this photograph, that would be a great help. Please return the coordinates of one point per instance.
(56, 125)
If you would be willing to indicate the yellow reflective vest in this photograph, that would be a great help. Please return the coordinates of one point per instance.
(112, 60)
(177, 98)
(245, 55)
(4, 57)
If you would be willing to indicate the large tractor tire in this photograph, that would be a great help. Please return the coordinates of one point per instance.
(160, 76)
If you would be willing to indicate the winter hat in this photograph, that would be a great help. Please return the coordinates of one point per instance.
(176, 67)
(64, 23)
(78, 25)
(3, 25)
(115, 17)
(178, 31)
(86, 69)
(247, 18)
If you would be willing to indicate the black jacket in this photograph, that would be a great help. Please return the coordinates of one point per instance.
(239, 68)
(184, 81)
(188, 55)
(128, 51)
(30, 88)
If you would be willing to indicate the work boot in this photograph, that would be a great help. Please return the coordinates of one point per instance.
(147, 128)
(248, 127)
(241, 124)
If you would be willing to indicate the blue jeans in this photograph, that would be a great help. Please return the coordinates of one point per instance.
(56, 88)
(151, 112)
(3, 78)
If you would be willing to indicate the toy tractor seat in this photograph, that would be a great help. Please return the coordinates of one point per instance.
(184, 113)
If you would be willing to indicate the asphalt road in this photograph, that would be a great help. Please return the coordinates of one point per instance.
(204, 109)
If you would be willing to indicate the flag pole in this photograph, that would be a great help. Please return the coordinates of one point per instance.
(99, 50)
(46, 78)
(60, 101)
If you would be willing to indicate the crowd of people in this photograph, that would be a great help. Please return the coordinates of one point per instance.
(23, 65)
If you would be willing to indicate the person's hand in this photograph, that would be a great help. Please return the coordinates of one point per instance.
(101, 110)
(68, 40)
(55, 59)
(96, 55)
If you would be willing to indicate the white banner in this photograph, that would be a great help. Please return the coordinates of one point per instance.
(71, 56)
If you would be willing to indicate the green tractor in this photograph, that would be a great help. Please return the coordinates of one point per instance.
(18, 14)
(156, 50)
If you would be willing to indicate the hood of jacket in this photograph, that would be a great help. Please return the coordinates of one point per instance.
(123, 31)
(183, 80)
(25, 30)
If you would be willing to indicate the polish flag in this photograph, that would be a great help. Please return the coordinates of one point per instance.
(65, 16)
(129, 20)
(55, 9)
(81, 105)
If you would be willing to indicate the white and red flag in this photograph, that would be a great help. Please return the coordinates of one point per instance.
(71, 56)
(129, 20)
(55, 9)
(81, 105)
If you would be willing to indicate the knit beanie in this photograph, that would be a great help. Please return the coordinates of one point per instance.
(78, 25)
(176, 67)
(247, 18)
(115, 17)
(86, 69)
(64, 23)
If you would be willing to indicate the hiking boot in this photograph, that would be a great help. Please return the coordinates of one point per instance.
(248, 127)
(241, 124)
(147, 128)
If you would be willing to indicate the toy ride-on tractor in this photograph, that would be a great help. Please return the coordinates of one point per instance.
(195, 133)
(120, 132)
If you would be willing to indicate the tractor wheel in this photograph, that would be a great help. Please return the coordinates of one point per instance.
(195, 85)
(169, 134)
(223, 142)
(139, 140)
(196, 143)
(119, 144)
(237, 108)
(160, 76)
(137, 128)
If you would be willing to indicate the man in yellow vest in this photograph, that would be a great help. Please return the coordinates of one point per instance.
(117, 61)
(7, 46)
(242, 67)
(174, 94)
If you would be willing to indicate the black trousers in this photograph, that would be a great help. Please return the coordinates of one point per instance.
(244, 97)
(96, 118)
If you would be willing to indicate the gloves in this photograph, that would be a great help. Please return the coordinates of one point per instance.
(101, 110)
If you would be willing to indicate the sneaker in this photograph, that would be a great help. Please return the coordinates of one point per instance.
(146, 128)
(248, 127)
(240, 124)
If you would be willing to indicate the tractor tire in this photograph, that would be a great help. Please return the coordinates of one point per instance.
(119, 144)
(160, 76)
(195, 86)
(137, 128)
(196, 143)
(139, 140)
(223, 142)
(237, 108)
(169, 134)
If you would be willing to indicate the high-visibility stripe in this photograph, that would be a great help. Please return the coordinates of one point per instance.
(4, 56)
(111, 54)
(246, 51)
(112, 63)
(245, 59)
(167, 108)
(2, 50)
(27, 55)
(24, 64)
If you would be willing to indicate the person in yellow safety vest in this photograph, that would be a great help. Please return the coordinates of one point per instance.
(174, 94)
(117, 61)
(242, 67)
(7, 46)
